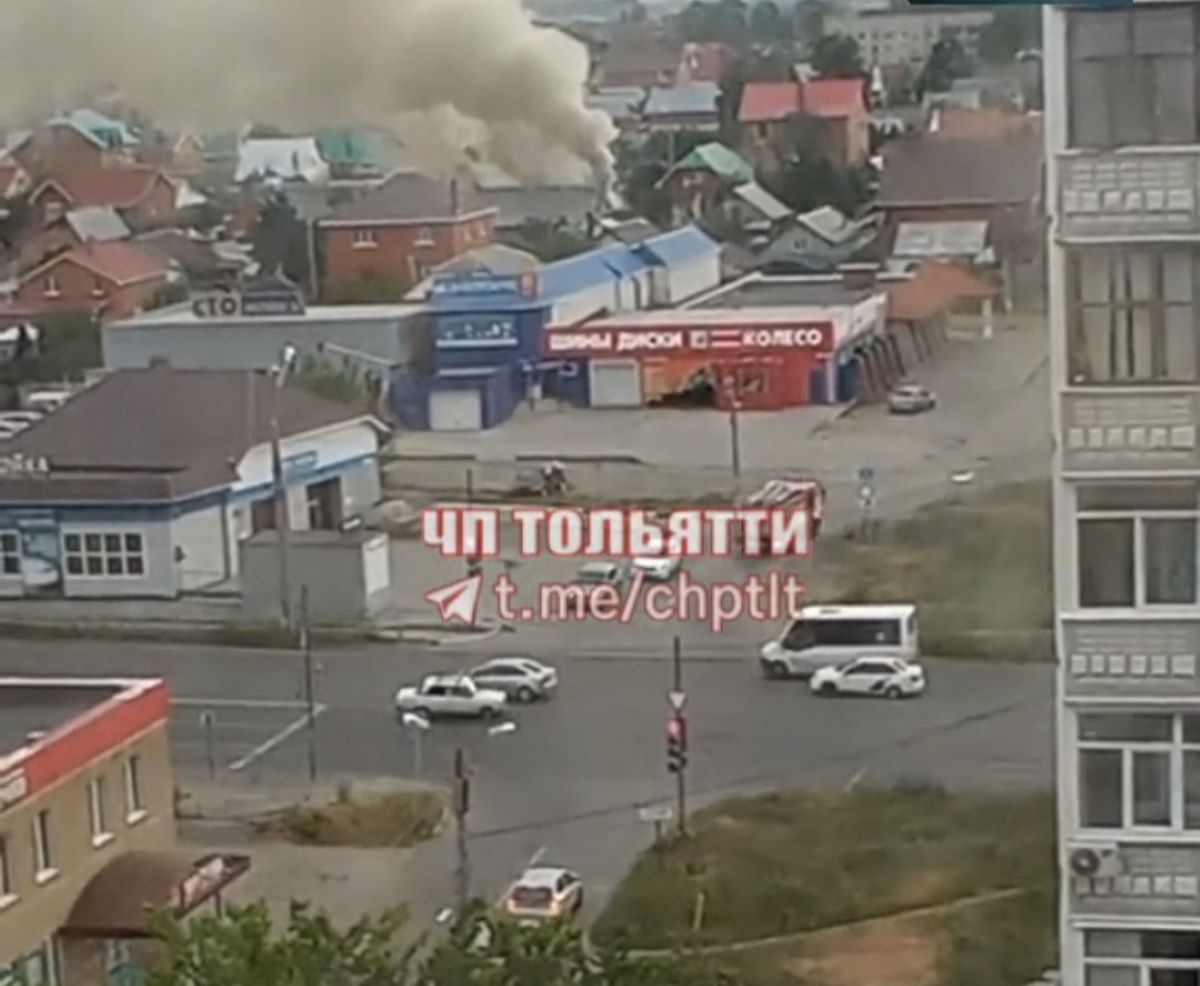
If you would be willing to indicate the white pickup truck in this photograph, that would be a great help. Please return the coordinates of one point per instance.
(449, 695)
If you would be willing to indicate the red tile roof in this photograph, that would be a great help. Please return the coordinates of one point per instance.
(764, 102)
(120, 187)
(116, 261)
(832, 97)
(934, 288)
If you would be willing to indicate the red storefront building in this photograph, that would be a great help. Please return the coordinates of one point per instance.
(762, 359)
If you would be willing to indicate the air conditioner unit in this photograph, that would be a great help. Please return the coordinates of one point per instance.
(1094, 859)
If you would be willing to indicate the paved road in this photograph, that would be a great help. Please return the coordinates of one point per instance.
(566, 784)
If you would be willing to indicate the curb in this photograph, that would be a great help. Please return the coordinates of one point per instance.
(433, 637)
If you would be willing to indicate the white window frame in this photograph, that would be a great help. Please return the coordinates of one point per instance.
(1139, 519)
(50, 287)
(7, 556)
(424, 236)
(104, 554)
(98, 811)
(1175, 749)
(44, 869)
(365, 239)
(131, 773)
(1142, 964)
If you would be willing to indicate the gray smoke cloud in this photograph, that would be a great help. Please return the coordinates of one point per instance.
(464, 73)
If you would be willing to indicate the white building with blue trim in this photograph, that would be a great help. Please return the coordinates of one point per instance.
(144, 484)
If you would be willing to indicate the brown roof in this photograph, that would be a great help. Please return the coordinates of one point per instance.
(195, 258)
(411, 198)
(934, 288)
(120, 187)
(120, 900)
(160, 433)
(115, 261)
(987, 123)
(926, 171)
(639, 59)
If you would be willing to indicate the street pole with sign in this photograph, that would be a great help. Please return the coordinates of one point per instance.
(677, 744)
(310, 697)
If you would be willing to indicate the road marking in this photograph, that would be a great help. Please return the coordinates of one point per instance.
(239, 703)
(858, 776)
(271, 742)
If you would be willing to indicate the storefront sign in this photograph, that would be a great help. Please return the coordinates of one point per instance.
(13, 787)
(483, 284)
(727, 341)
(236, 304)
(477, 332)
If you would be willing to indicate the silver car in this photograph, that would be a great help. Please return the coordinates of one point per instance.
(522, 679)
(911, 398)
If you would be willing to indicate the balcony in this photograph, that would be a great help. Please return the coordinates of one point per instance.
(1149, 194)
(1154, 659)
(1147, 881)
(1135, 432)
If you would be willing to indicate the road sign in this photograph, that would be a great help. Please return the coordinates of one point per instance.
(656, 813)
(677, 700)
(866, 474)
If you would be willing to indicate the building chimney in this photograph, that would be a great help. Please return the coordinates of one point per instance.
(858, 275)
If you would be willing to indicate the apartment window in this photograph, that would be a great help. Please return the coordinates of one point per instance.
(97, 288)
(43, 847)
(134, 805)
(105, 554)
(424, 236)
(1141, 958)
(1132, 79)
(10, 553)
(1137, 545)
(97, 811)
(364, 239)
(50, 287)
(1139, 771)
(1133, 315)
(7, 890)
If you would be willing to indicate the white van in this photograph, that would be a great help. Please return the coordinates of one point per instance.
(825, 635)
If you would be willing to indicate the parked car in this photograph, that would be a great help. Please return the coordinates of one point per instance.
(886, 677)
(22, 417)
(656, 565)
(911, 398)
(594, 574)
(522, 679)
(544, 893)
(450, 695)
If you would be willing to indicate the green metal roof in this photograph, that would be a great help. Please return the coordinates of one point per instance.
(720, 160)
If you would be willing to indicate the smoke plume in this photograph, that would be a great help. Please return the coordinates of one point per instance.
(472, 73)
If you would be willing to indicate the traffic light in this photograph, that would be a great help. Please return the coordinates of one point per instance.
(676, 744)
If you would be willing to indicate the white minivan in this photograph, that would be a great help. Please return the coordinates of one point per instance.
(825, 635)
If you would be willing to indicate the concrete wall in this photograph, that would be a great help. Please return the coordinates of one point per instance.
(40, 909)
(252, 344)
(690, 279)
(159, 577)
(202, 536)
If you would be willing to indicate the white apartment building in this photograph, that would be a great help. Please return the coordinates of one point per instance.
(906, 36)
(1123, 167)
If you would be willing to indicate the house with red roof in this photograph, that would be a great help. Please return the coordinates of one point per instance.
(113, 279)
(143, 196)
(775, 116)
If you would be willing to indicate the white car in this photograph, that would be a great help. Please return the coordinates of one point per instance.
(449, 695)
(656, 565)
(522, 679)
(544, 893)
(886, 677)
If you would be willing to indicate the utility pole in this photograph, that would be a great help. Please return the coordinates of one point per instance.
(677, 738)
(462, 804)
(287, 357)
(309, 687)
(735, 439)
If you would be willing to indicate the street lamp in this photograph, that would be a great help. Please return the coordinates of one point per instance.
(287, 358)
(418, 725)
(462, 804)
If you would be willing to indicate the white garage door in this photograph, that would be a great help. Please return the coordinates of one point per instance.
(615, 383)
(455, 410)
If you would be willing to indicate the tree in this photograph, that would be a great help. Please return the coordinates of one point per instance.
(242, 948)
(1010, 30)
(723, 20)
(280, 239)
(837, 56)
(808, 20)
(811, 180)
(947, 61)
(767, 24)
(168, 294)
(644, 194)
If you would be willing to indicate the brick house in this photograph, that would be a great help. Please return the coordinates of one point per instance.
(97, 223)
(403, 229)
(114, 280)
(144, 196)
(63, 145)
(774, 115)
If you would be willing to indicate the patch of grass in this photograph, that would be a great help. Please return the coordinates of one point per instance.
(388, 821)
(1004, 942)
(790, 862)
(979, 569)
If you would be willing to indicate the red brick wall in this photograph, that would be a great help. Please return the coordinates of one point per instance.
(157, 207)
(403, 253)
(76, 287)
